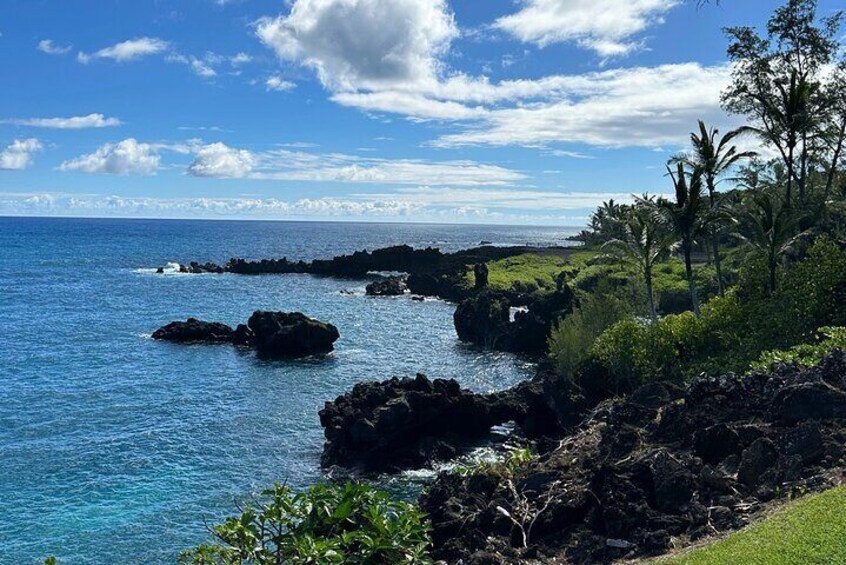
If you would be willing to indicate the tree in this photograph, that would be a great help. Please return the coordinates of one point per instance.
(778, 83)
(644, 244)
(714, 156)
(687, 218)
(770, 228)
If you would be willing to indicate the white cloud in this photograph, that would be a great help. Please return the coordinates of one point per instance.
(278, 84)
(18, 155)
(604, 26)
(73, 122)
(356, 44)
(202, 69)
(127, 157)
(378, 66)
(129, 50)
(415, 205)
(301, 166)
(47, 46)
(240, 59)
(222, 161)
(634, 107)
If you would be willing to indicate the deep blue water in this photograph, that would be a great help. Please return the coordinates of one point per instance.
(113, 447)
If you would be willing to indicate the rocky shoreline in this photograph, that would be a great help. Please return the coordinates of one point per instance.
(627, 478)
(615, 478)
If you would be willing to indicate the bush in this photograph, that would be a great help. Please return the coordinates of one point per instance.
(808, 354)
(350, 524)
(674, 348)
(573, 336)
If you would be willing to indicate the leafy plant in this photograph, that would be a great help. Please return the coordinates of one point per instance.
(328, 523)
(807, 354)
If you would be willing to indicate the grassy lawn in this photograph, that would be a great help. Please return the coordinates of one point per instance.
(532, 269)
(810, 531)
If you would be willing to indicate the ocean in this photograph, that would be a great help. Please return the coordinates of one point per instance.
(115, 448)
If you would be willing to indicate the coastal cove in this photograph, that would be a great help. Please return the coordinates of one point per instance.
(114, 444)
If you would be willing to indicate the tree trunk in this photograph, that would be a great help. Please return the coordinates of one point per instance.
(650, 294)
(773, 265)
(715, 241)
(788, 201)
(832, 171)
(715, 238)
(688, 267)
(803, 170)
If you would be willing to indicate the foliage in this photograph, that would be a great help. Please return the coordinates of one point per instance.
(525, 273)
(781, 84)
(504, 468)
(643, 245)
(687, 218)
(328, 523)
(674, 348)
(769, 228)
(573, 336)
(809, 530)
(806, 354)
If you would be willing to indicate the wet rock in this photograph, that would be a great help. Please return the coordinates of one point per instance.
(194, 330)
(243, 336)
(483, 320)
(286, 335)
(390, 286)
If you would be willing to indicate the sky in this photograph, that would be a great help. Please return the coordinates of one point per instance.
(465, 111)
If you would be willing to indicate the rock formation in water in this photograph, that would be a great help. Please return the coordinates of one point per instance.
(410, 422)
(272, 334)
(389, 286)
(194, 330)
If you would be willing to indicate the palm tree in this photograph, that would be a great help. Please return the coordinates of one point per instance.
(687, 218)
(643, 245)
(714, 156)
(770, 228)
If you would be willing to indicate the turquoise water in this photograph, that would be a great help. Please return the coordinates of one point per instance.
(113, 447)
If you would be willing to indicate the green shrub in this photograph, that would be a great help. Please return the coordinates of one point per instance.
(573, 336)
(808, 354)
(674, 348)
(350, 524)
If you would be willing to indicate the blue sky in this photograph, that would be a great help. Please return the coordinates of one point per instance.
(496, 111)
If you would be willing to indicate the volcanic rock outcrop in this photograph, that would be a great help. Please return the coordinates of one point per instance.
(275, 335)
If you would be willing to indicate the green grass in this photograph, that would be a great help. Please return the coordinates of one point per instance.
(535, 270)
(810, 531)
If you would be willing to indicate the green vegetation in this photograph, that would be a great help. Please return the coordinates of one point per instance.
(806, 354)
(528, 273)
(328, 523)
(806, 532)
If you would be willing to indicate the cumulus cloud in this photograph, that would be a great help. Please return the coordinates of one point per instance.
(127, 157)
(18, 155)
(129, 50)
(389, 58)
(604, 26)
(278, 84)
(73, 122)
(220, 160)
(47, 46)
(635, 107)
(356, 44)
